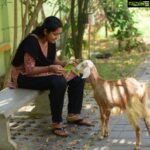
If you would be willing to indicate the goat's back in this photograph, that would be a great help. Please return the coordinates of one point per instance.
(119, 92)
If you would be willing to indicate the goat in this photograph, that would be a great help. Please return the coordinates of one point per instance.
(128, 94)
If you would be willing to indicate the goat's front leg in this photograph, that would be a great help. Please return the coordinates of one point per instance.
(108, 111)
(103, 125)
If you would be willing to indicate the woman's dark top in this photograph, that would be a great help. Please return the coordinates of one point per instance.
(28, 55)
(31, 46)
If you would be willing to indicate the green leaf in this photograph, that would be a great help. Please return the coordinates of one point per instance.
(71, 68)
(77, 72)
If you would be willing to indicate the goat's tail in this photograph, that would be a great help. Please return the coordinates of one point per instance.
(138, 108)
(134, 110)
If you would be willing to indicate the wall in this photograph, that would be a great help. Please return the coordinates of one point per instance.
(4, 37)
(7, 32)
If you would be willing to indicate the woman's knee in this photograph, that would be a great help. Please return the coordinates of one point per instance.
(59, 83)
(78, 80)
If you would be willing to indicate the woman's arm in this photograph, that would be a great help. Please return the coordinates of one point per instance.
(59, 62)
(31, 69)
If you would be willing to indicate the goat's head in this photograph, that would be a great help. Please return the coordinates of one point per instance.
(85, 68)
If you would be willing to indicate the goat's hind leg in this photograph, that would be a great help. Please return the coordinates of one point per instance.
(146, 112)
(147, 118)
(147, 126)
(135, 123)
(147, 121)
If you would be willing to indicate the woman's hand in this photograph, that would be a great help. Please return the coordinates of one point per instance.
(58, 69)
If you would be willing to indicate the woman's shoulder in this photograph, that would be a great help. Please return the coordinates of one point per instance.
(30, 38)
(28, 42)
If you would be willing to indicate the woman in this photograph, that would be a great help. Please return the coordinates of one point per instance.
(35, 66)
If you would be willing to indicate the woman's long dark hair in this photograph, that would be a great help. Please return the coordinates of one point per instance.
(50, 24)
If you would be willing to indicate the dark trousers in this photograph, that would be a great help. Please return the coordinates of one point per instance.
(57, 86)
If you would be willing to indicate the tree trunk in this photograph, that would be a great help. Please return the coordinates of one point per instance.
(15, 25)
(77, 32)
(82, 10)
(43, 13)
(106, 29)
(34, 16)
(64, 38)
(24, 18)
(73, 27)
(119, 45)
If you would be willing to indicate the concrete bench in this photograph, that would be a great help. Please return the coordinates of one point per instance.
(10, 101)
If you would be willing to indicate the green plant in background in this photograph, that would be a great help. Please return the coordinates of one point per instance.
(68, 51)
(121, 22)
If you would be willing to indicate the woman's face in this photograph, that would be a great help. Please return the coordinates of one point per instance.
(53, 36)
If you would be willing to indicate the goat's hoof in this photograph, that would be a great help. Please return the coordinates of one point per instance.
(101, 137)
(106, 135)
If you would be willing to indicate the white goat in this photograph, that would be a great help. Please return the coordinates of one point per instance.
(127, 94)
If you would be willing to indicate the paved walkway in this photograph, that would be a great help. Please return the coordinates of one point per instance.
(35, 133)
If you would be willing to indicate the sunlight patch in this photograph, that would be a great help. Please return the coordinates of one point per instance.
(26, 109)
(87, 106)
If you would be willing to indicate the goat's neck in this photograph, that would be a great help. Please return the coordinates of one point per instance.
(94, 78)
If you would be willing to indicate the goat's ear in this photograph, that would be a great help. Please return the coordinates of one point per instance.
(86, 72)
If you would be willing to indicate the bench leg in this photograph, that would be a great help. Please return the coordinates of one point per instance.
(42, 105)
(5, 139)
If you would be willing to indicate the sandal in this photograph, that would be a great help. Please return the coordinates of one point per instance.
(59, 130)
(76, 119)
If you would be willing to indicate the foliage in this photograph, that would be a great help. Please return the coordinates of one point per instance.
(68, 51)
(78, 11)
(121, 21)
(71, 68)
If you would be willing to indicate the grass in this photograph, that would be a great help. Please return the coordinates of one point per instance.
(120, 65)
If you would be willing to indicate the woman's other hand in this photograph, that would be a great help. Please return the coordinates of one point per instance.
(58, 69)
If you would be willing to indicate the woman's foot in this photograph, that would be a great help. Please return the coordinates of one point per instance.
(76, 119)
(59, 130)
